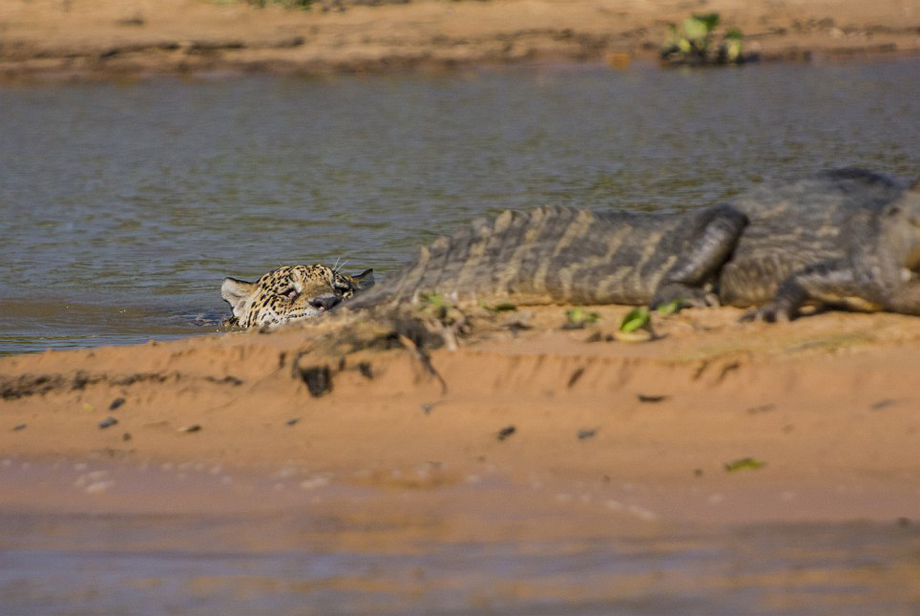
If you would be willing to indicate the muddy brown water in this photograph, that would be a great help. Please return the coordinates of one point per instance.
(125, 204)
(201, 539)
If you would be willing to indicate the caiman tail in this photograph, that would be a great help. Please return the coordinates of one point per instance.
(570, 256)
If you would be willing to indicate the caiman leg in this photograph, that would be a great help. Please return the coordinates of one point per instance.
(832, 282)
(708, 251)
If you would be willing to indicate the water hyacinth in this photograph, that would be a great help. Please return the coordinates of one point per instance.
(692, 43)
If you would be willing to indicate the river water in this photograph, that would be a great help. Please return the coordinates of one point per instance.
(123, 205)
(198, 540)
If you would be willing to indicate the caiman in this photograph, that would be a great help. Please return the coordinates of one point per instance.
(846, 238)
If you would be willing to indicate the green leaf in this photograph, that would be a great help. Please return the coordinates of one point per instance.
(670, 307)
(579, 315)
(732, 49)
(695, 29)
(744, 464)
(433, 299)
(635, 319)
(505, 307)
(710, 20)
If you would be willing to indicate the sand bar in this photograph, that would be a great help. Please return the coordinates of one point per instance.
(136, 38)
(830, 404)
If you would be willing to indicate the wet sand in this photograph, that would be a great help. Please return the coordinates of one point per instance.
(134, 38)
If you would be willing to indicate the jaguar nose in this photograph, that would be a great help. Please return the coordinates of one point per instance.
(325, 302)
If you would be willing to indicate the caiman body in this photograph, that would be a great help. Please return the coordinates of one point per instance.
(845, 237)
(561, 255)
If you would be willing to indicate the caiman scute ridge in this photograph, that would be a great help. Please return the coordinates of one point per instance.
(563, 255)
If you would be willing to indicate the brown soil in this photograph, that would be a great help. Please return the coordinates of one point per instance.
(111, 38)
(830, 403)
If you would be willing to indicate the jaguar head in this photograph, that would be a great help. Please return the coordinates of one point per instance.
(290, 293)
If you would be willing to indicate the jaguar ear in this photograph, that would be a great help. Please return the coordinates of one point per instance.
(364, 280)
(237, 293)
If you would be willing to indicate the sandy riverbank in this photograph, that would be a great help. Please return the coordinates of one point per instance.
(545, 466)
(121, 38)
(830, 403)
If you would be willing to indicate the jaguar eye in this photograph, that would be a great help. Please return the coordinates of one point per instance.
(290, 293)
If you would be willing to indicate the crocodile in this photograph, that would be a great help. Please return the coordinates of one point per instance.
(846, 237)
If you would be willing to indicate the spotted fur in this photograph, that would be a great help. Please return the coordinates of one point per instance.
(290, 293)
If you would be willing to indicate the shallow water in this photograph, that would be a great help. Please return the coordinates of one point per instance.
(818, 569)
(124, 205)
(280, 546)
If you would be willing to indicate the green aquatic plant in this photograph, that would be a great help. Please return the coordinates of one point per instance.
(731, 49)
(692, 42)
(672, 307)
(692, 39)
(697, 30)
(580, 316)
(635, 319)
(744, 464)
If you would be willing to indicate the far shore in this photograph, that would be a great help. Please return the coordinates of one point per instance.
(118, 39)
